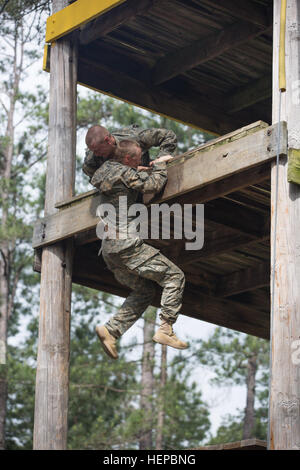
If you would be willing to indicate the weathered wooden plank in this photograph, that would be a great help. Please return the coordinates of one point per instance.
(248, 95)
(68, 222)
(246, 444)
(229, 314)
(223, 187)
(216, 247)
(285, 344)
(52, 377)
(244, 280)
(220, 160)
(137, 91)
(247, 11)
(239, 218)
(112, 20)
(72, 200)
(203, 50)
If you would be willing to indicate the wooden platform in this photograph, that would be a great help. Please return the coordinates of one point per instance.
(246, 444)
(227, 282)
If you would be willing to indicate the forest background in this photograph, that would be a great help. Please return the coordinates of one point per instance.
(214, 392)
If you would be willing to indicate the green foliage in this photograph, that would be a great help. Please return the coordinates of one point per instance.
(186, 414)
(20, 404)
(16, 10)
(227, 353)
(231, 429)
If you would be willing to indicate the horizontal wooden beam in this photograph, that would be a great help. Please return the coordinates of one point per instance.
(246, 10)
(221, 159)
(203, 50)
(185, 174)
(239, 218)
(75, 15)
(66, 223)
(213, 248)
(190, 110)
(245, 444)
(248, 95)
(225, 186)
(107, 23)
(243, 280)
(222, 312)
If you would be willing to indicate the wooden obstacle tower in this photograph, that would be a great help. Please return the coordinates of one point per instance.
(212, 65)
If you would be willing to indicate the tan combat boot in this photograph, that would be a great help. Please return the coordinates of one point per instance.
(108, 341)
(165, 335)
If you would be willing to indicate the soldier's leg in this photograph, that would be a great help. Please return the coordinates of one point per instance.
(171, 278)
(143, 292)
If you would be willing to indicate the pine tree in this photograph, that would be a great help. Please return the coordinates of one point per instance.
(239, 359)
(186, 417)
(18, 153)
(147, 380)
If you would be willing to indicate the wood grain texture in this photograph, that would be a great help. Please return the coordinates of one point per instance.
(108, 22)
(52, 378)
(246, 444)
(244, 280)
(247, 11)
(221, 159)
(167, 102)
(285, 367)
(203, 50)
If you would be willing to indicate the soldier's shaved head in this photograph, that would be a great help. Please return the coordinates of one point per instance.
(96, 135)
(100, 141)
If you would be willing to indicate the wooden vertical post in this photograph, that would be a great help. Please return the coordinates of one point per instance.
(285, 367)
(52, 379)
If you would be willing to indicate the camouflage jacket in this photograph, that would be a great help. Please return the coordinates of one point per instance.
(113, 179)
(165, 139)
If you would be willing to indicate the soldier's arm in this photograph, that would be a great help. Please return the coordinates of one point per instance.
(165, 139)
(91, 163)
(146, 183)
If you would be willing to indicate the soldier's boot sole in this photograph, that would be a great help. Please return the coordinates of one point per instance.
(173, 341)
(107, 341)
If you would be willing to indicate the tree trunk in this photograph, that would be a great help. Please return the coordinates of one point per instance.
(161, 411)
(249, 420)
(145, 441)
(5, 253)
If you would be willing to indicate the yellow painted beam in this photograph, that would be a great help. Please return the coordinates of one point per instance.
(75, 15)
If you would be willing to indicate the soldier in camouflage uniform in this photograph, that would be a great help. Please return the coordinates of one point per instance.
(133, 262)
(102, 144)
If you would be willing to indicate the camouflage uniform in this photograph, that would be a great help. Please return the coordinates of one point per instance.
(164, 139)
(133, 262)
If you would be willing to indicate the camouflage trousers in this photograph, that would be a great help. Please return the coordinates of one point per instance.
(142, 279)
